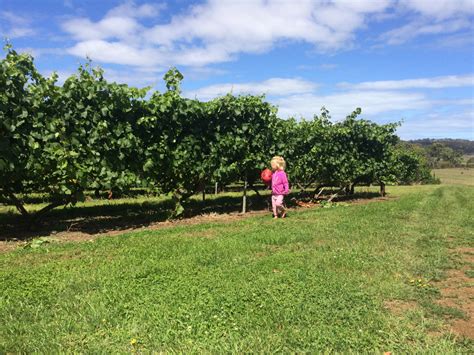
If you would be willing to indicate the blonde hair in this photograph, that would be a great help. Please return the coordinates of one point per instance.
(279, 162)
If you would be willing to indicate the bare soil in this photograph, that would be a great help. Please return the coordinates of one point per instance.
(399, 307)
(457, 291)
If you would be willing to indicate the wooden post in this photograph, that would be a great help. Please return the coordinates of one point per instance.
(347, 189)
(244, 197)
(204, 194)
(215, 188)
(316, 196)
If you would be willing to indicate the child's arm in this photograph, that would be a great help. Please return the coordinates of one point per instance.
(286, 185)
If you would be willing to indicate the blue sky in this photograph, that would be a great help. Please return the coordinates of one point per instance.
(410, 60)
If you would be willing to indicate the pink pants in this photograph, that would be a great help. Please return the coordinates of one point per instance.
(277, 204)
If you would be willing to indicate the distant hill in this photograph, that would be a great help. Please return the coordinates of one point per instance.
(461, 145)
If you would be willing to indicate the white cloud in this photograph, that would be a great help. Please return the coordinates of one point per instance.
(341, 104)
(439, 82)
(323, 66)
(14, 26)
(422, 116)
(298, 97)
(422, 28)
(114, 52)
(440, 9)
(457, 102)
(457, 40)
(17, 32)
(130, 9)
(134, 78)
(439, 125)
(271, 87)
(217, 31)
(328, 66)
(120, 23)
(432, 18)
(107, 28)
(253, 26)
(127, 54)
(62, 74)
(35, 52)
(13, 18)
(200, 73)
(38, 52)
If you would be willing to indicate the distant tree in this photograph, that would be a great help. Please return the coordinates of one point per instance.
(411, 166)
(439, 153)
(470, 163)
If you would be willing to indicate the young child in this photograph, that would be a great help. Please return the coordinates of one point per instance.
(280, 186)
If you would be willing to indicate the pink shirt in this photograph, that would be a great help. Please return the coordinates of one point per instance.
(280, 183)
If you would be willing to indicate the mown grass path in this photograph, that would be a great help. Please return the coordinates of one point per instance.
(321, 280)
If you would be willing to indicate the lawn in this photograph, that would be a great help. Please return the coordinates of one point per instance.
(122, 214)
(364, 277)
(455, 176)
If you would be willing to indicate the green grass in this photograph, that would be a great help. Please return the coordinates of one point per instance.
(317, 281)
(455, 176)
(101, 215)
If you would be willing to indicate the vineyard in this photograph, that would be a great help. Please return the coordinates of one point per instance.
(237, 177)
(88, 134)
(115, 271)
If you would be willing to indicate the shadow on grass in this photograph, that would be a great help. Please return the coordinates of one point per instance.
(122, 216)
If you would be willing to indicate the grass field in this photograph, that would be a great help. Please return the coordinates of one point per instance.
(123, 214)
(365, 277)
(456, 176)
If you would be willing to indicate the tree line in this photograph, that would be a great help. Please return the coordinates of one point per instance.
(463, 146)
(446, 153)
(89, 134)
